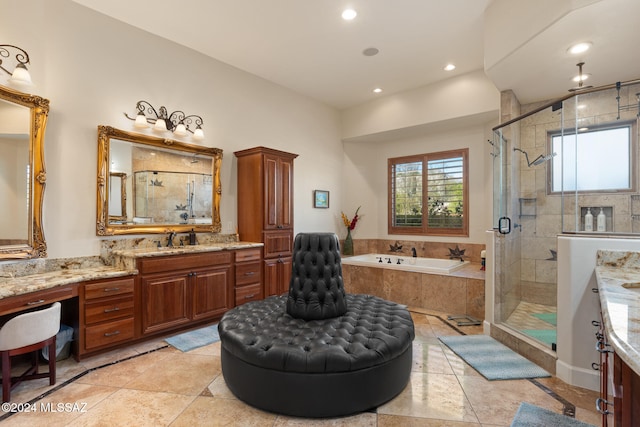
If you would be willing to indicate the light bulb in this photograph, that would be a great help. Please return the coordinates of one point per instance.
(160, 126)
(141, 121)
(180, 130)
(198, 135)
(21, 77)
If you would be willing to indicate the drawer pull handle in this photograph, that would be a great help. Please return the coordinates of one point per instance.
(595, 323)
(601, 347)
(595, 366)
(599, 402)
(111, 289)
(249, 296)
(40, 301)
(110, 310)
(110, 334)
(249, 273)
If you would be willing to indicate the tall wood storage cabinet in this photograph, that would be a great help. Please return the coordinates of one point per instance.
(265, 211)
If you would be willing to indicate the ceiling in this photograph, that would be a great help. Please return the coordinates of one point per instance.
(306, 46)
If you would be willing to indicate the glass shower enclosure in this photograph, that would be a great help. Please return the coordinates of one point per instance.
(562, 167)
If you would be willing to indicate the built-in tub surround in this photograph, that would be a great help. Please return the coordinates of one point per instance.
(460, 292)
(424, 249)
(403, 263)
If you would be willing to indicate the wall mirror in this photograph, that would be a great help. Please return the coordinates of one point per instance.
(23, 119)
(148, 184)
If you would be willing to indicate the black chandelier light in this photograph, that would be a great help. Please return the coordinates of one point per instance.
(177, 122)
(20, 76)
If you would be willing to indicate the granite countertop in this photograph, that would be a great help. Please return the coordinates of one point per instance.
(46, 274)
(14, 286)
(154, 251)
(621, 305)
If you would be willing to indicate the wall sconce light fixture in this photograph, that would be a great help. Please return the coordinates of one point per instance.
(177, 122)
(20, 76)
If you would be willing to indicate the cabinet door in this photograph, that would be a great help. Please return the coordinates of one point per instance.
(278, 182)
(285, 199)
(212, 294)
(277, 274)
(164, 302)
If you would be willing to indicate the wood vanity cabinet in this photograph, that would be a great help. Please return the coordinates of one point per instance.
(185, 289)
(265, 210)
(248, 274)
(107, 310)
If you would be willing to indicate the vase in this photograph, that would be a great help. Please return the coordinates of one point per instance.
(348, 244)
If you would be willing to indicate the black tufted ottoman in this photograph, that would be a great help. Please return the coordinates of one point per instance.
(317, 368)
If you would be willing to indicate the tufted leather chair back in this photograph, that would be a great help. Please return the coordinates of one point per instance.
(316, 290)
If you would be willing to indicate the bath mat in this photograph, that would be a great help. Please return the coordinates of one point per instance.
(194, 339)
(491, 359)
(547, 336)
(547, 317)
(529, 415)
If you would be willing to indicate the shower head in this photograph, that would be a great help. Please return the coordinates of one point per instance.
(538, 160)
(541, 159)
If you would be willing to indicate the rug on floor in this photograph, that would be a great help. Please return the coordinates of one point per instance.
(529, 415)
(547, 317)
(547, 336)
(194, 339)
(491, 359)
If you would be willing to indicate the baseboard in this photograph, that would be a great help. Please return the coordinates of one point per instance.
(580, 377)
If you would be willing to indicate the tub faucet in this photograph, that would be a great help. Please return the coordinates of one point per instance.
(379, 258)
(399, 261)
(414, 253)
(170, 240)
(388, 260)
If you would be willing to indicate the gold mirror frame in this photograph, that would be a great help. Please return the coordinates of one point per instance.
(39, 107)
(105, 228)
(122, 189)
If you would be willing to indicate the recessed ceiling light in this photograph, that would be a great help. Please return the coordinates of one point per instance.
(349, 14)
(449, 67)
(377, 90)
(370, 51)
(579, 48)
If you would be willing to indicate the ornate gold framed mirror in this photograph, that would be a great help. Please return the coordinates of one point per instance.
(150, 185)
(23, 119)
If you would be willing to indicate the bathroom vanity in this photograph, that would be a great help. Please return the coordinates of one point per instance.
(618, 276)
(147, 292)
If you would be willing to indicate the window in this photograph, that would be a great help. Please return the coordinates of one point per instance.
(598, 160)
(428, 194)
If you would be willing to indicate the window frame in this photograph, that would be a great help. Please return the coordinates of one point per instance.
(633, 150)
(424, 229)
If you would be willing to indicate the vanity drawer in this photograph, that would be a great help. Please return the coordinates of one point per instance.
(248, 255)
(108, 333)
(110, 309)
(248, 273)
(183, 262)
(108, 289)
(248, 293)
(37, 299)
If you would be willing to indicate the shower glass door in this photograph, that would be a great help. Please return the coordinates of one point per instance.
(527, 221)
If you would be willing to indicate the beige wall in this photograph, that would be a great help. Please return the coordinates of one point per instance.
(94, 68)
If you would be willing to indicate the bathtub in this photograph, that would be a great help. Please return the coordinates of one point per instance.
(406, 263)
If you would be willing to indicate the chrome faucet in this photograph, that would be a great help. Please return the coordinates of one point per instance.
(170, 240)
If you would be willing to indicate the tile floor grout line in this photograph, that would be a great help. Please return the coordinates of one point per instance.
(78, 376)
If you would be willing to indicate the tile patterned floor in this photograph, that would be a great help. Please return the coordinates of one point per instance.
(166, 387)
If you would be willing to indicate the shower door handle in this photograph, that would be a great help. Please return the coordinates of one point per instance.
(504, 225)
